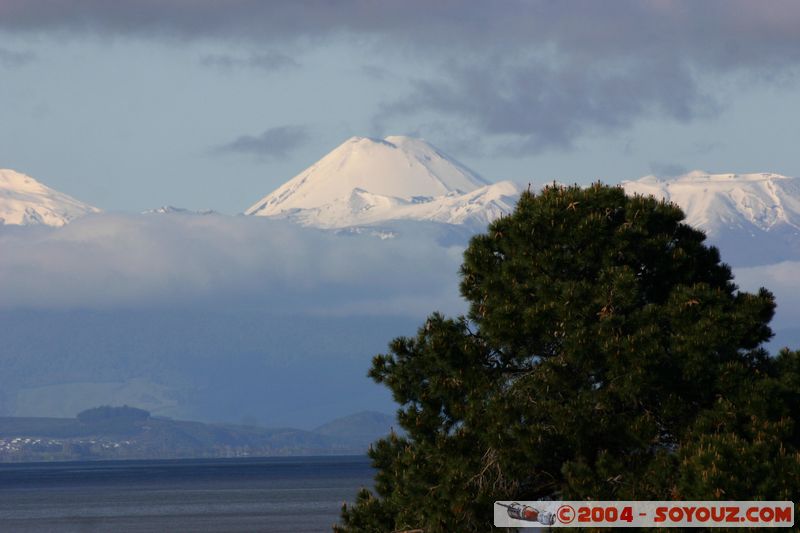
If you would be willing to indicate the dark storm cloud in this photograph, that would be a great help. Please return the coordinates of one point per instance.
(667, 170)
(274, 142)
(721, 32)
(268, 61)
(539, 106)
(375, 72)
(13, 58)
(252, 19)
(531, 74)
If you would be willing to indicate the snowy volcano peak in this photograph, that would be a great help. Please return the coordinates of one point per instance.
(398, 167)
(716, 202)
(23, 201)
(700, 176)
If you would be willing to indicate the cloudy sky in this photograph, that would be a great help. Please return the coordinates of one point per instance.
(205, 104)
(109, 261)
(133, 104)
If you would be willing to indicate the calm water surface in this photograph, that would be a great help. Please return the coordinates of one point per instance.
(271, 494)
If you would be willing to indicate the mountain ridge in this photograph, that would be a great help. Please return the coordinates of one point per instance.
(26, 201)
(387, 187)
(366, 181)
(130, 433)
(753, 218)
(713, 201)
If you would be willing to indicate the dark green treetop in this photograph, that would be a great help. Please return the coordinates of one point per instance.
(607, 355)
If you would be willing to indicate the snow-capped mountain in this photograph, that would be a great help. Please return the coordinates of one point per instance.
(753, 218)
(172, 210)
(24, 201)
(386, 186)
(714, 202)
(368, 181)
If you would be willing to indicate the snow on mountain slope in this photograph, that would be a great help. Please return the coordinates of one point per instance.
(474, 209)
(24, 201)
(716, 202)
(390, 186)
(172, 210)
(753, 218)
(369, 181)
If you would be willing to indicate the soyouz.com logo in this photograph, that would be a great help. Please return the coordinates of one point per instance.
(643, 514)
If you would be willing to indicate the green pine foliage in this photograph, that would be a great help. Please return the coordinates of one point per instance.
(607, 355)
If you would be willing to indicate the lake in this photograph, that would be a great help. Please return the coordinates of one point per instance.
(281, 494)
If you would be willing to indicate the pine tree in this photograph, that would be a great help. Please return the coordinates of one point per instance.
(607, 354)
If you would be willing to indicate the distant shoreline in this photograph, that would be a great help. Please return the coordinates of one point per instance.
(126, 433)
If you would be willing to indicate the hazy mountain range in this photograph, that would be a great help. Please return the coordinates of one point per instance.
(23, 201)
(374, 185)
(374, 181)
(275, 316)
(753, 218)
(130, 433)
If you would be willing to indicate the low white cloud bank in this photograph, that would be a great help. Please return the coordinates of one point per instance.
(113, 261)
(783, 279)
(118, 261)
